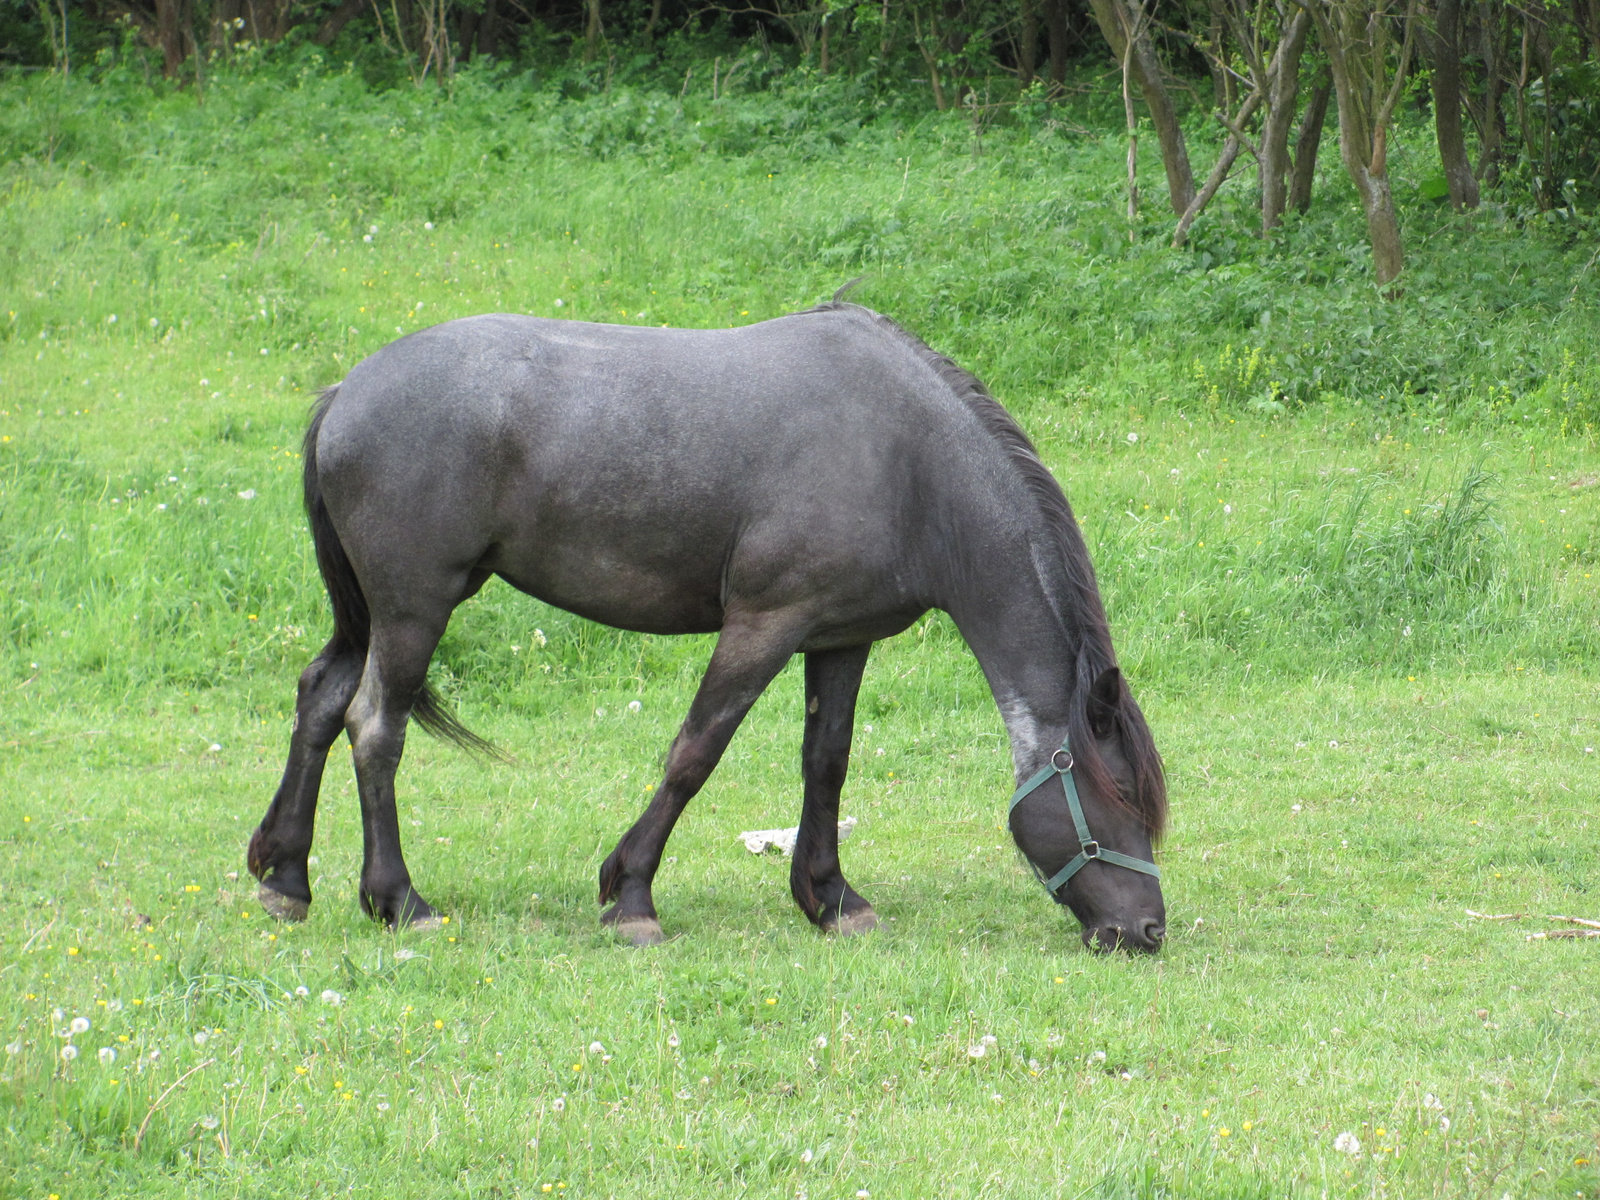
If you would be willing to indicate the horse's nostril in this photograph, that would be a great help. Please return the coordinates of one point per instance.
(1152, 931)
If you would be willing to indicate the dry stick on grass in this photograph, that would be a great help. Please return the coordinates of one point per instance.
(1564, 933)
(162, 1099)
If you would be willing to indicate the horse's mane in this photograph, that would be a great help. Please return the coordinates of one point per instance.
(1081, 610)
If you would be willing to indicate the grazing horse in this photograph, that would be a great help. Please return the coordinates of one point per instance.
(808, 484)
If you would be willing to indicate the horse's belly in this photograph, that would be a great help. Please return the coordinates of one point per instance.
(632, 598)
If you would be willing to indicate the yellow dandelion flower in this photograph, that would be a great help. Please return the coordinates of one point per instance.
(1248, 1125)
(438, 1024)
(771, 1000)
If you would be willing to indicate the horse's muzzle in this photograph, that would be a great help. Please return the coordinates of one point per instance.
(1143, 936)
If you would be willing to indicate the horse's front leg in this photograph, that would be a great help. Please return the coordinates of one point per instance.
(833, 678)
(750, 651)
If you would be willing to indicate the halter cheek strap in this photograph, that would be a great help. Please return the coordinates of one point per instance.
(1089, 850)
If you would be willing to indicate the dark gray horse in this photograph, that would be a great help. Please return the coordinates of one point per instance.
(805, 485)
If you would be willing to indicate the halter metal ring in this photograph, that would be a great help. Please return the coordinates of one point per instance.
(1055, 760)
(1091, 849)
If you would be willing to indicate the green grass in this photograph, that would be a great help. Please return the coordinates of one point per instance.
(1332, 590)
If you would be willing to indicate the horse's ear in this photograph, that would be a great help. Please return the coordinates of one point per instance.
(1105, 702)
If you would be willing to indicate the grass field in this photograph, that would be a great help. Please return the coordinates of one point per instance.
(1360, 615)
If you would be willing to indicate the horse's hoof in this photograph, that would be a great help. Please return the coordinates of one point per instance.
(639, 931)
(284, 908)
(849, 924)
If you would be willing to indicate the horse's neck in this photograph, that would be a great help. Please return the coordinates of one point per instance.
(1027, 651)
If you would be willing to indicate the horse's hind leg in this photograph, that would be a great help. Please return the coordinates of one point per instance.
(278, 849)
(833, 677)
(749, 653)
(397, 669)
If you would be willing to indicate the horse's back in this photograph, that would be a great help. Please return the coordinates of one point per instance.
(594, 465)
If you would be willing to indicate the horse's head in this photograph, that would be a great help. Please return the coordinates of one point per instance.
(1086, 820)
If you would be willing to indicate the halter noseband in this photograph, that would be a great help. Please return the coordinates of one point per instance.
(1089, 850)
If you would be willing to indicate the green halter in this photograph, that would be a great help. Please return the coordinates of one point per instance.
(1089, 850)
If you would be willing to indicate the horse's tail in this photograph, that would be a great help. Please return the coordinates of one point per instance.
(352, 620)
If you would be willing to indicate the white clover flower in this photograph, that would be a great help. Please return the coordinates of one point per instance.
(302, 991)
(69, 1052)
(977, 1051)
(672, 1039)
(209, 1121)
(989, 1039)
(806, 1155)
(79, 1025)
(822, 1041)
(1444, 1124)
(329, 996)
(634, 706)
(201, 1038)
(1099, 1056)
(427, 224)
(383, 1107)
(596, 1048)
(248, 494)
(909, 1020)
(863, 1194)
(539, 638)
(1132, 437)
(1347, 1143)
(559, 1104)
(1430, 1101)
(107, 1056)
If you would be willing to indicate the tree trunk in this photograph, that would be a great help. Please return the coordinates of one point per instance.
(1307, 144)
(654, 20)
(1055, 23)
(1283, 93)
(1356, 36)
(1445, 47)
(1114, 17)
(1028, 46)
(1586, 16)
(467, 22)
(1282, 100)
(591, 31)
(822, 47)
(488, 29)
(173, 34)
(337, 20)
(1383, 226)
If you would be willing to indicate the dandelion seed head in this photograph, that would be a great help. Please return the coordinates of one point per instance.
(209, 1121)
(1347, 1143)
(69, 1052)
(107, 1056)
(79, 1025)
